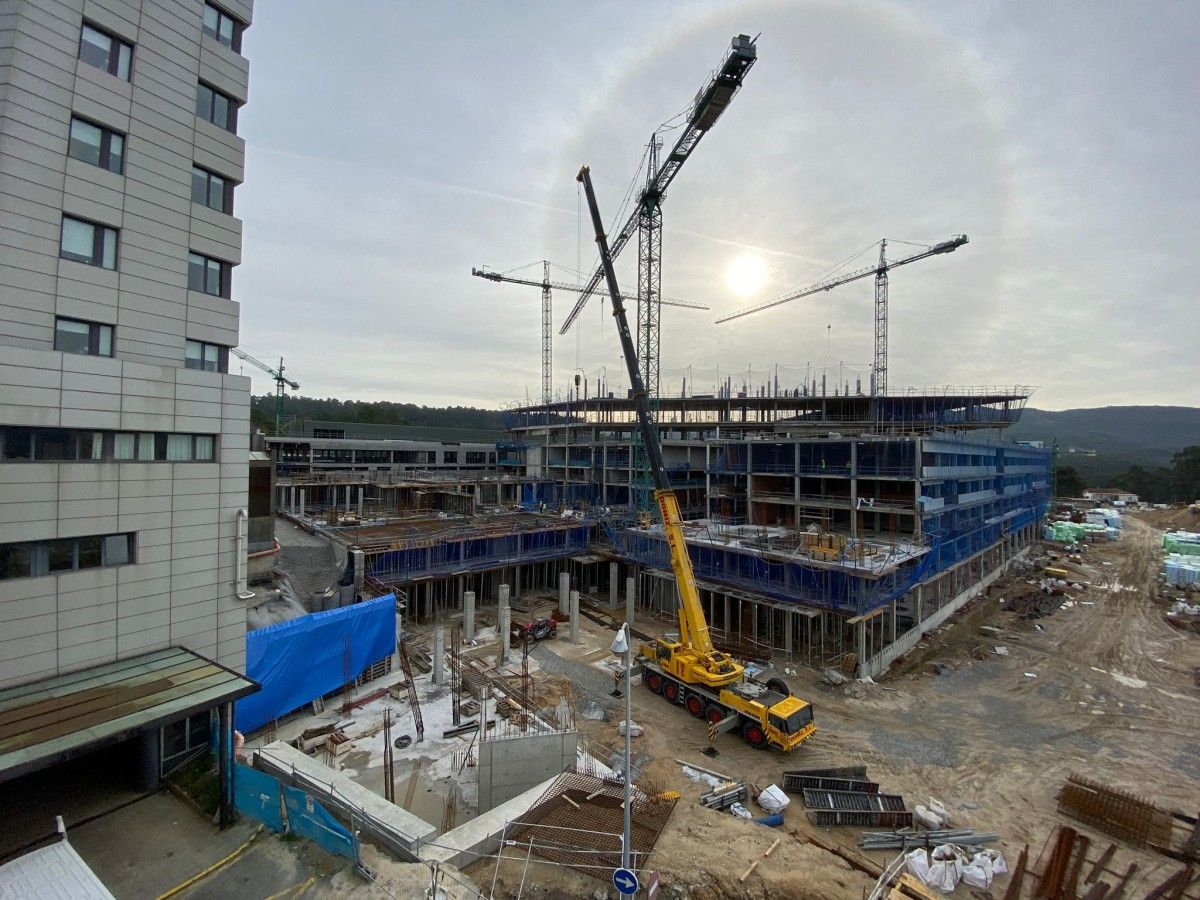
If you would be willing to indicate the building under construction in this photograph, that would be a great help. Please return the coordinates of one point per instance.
(820, 526)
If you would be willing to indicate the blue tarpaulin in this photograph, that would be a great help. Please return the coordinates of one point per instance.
(256, 794)
(302, 659)
(308, 818)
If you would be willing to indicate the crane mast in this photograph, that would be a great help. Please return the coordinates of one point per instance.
(880, 271)
(646, 220)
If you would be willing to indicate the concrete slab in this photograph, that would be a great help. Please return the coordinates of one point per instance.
(481, 836)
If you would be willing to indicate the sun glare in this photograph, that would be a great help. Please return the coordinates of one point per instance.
(746, 274)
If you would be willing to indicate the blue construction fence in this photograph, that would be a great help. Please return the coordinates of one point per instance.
(301, 659)
(283, 808)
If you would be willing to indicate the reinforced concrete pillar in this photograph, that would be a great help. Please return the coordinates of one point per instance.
(789, 623)
(894, 607)
(504, 625)
(564, 592)
(516, 582)
(574, 617)
(613, 575)
(469, 616)
(301, 501)
(439, 653)
(360, 501)
(360, 570)
(861, 628)
(630, 599)
(502, 598)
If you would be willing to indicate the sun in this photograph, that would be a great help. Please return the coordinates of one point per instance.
(746, 274)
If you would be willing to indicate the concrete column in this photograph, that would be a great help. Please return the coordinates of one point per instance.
(861, 628)
(502, 600)
(893, 621)
(360, 501)
(516, 582)
(360, 570)
(613, 575)
(469, 616)
(439, 653)
(564, 592)
(728, 626)
(630, 599)
(302, 501)
(574, 617)
(504, 625)
(789, 624)
(853, 489)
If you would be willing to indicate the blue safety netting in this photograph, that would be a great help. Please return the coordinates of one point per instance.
(308, 818)
(305, 658)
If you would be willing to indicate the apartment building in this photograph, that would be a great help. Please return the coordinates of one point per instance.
(124, 441)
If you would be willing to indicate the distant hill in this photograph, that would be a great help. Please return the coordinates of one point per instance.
(378, 413)
(1120, 435)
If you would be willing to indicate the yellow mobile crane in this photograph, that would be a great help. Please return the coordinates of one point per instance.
(690, 671)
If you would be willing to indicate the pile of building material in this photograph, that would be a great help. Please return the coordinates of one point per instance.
(726, 795)
(908, 839)
(844, 796)
(1120, 813)
(1185, 543)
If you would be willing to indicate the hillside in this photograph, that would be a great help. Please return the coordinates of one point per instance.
(1120, 435)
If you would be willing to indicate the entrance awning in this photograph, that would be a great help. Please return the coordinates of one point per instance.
(52, 720)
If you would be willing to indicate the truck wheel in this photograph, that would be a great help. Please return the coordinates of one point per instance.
(754, 735)
(694, 705)
(654, 681)
(779, 686)
(714, 713)
(671, 691)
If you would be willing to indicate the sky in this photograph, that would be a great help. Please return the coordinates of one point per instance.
(394, 146)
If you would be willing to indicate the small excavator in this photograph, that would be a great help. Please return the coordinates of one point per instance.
(686, 668)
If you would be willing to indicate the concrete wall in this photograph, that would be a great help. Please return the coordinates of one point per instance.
(180, 588)
(510, 766)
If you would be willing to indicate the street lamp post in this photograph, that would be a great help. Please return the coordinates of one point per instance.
(620, 647)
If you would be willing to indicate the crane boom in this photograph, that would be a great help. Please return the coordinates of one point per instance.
(693, 629)
(280, 381)
(566, 286)
(706, 108)
(829, 284)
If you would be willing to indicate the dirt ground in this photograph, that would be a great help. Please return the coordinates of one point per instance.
(1102, 687)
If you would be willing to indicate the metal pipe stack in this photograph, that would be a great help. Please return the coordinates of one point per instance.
(726, 795)
(906, 840)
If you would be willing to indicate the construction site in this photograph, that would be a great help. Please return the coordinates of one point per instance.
(802, 633)
(855, 591)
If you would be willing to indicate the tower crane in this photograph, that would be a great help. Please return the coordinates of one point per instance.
(546, 284)
(688, 670)
(280, 381)
(646, 219)
(880, 270)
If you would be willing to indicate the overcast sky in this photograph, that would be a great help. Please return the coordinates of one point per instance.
(392, 146)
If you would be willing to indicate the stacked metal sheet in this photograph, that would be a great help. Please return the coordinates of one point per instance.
(796, 784)
(831, 808)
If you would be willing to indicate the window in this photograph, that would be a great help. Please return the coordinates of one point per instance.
(87, 242)
(19, 443)
(105, 51)
(450, 456)
(85, 338)
(212, 190)
(95, 144)
(215, 107)
(336, 433)
(33, 559)
(221, 26)
(207, 357)
(179, 740)
(208, 275)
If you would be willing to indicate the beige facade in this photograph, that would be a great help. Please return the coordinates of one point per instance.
(131, 441)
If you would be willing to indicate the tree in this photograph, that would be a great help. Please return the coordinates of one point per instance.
(1186, 474)
(1068, 483)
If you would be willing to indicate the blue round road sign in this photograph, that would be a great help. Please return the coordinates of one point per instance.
(625, 881)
